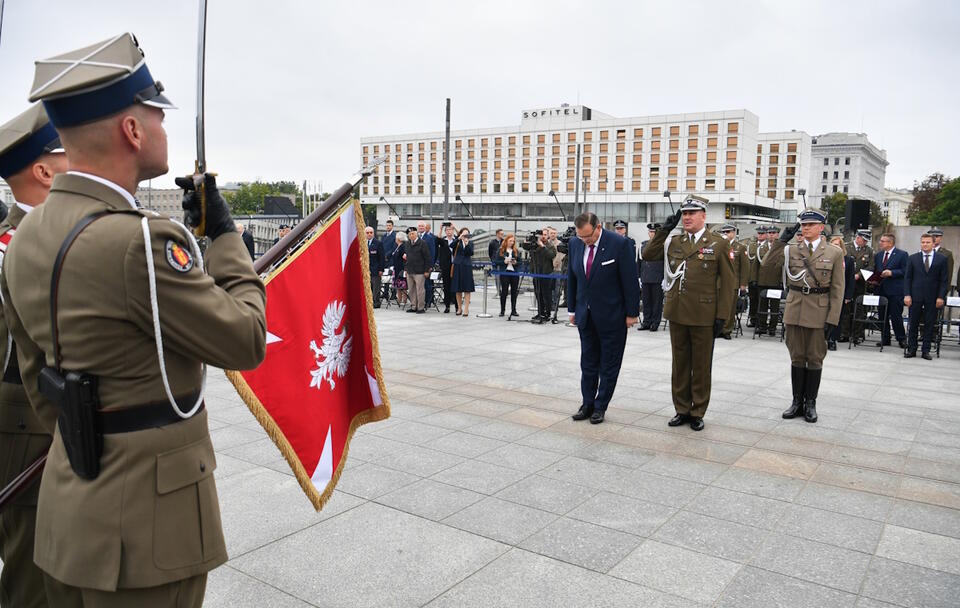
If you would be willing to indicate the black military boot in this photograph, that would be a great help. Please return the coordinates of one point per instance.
(810, 390)
(797, 377)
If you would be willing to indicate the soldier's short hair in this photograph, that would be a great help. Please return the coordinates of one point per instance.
(586, 218)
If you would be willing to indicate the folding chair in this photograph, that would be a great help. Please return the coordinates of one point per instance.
(869, 311)
(766, 310)
(743, 302)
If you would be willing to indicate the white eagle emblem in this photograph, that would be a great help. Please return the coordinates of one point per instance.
(333, 357)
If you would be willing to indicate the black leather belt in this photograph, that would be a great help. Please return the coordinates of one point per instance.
(806, 289)
(148, 416)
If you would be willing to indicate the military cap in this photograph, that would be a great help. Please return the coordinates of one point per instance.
(694, 203)
(865, 234)
(95, 82)
(25, 138)
(619, 224)
(411, 229)
(655, 226)
(935, 231)
(282, 226)
(812, 216)
(728, 228)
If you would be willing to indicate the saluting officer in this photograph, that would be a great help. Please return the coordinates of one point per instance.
(769, 276)
(813, 274)
(699, 285)
(741, 270)
(30, 155)
(862, 254)
(145, 529)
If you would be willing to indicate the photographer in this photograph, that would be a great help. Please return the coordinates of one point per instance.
(541, 262)
(462, 271)
(558, 267)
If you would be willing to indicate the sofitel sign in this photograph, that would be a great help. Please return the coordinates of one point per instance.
(581, 112)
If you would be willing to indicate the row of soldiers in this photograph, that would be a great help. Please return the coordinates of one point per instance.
(110, 317)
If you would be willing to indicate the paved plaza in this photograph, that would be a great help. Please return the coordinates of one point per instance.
(481, 491)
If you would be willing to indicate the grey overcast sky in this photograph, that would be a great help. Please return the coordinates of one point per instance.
(292, 86)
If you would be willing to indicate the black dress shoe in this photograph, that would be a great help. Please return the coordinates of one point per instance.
(883, 343)
(726, 336)
(422, 311)
(597, 417)
(696, 424)
(831, 345)
(843, 340)
(583, 413)
(910, 354)
(677, 420)
(654, 328)
(446, 310)
(926, 356)
(410, 310)
(501, 313)
(902, 343)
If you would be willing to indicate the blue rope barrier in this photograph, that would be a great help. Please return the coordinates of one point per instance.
(527, 274)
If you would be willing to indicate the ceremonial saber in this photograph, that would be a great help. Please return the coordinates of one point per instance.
(200, 166)
(340, 196)
(22, 481)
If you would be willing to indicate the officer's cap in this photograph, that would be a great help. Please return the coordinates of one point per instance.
(411, 229)
(935, 231)
(694, 203)
(812, 216)
(95, 82)
(24, 139)
(865, 234)
(655, 226)
(728, 228)
(619, 224)
(772, 229)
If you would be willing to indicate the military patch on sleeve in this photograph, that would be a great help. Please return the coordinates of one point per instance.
(178, 257)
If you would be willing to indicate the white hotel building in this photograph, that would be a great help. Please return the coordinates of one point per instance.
(626, 165)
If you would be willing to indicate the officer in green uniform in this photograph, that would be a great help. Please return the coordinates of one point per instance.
(862, 254)
(699, 286)
(937, 233)
(741, 270)
(136, 319)
(813, 274)
(769, 276)
(30, 156)
(753, 247)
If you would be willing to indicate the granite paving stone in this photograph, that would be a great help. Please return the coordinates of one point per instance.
(521, 457)
(478, 476)
(812, 561)
(430, 499)
(842, 500)
(501, 520)
(919, 548)
(724, 539)
(831, 528)
(738, 507)
(909, 585)
(547, 494)
(229, 588)
(623, 513)
(929, 518)
(756, 588)
(583, 544)
(767, 485)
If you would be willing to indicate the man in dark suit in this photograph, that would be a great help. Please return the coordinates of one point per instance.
(375, 253)
(494, 246)
(247, 239)
(891, 264)
(445, 260)
(603, 300)
(389, 241)
(925, 290)
(651, 278)
(430, 240)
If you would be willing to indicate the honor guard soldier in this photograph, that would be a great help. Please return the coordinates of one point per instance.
(769, 276)
(813, 274)
(113, 345)
(753, 254)
(699, 284)
(651, 285)
(937, 233)
(862, 254)
(30, 156)
(741, 270)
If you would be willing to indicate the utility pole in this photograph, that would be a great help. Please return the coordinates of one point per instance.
(446, 169)
(576, 191)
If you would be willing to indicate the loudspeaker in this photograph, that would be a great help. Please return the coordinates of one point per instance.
(858, 214)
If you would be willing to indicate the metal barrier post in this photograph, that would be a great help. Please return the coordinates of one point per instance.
(484, 314)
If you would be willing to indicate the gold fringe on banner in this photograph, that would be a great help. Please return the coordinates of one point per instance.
(381, 412)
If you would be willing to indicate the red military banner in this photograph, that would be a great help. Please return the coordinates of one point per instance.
(321, 376)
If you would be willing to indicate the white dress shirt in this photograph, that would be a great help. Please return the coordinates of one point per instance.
(129, 197)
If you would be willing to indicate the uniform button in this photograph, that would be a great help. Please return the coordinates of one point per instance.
(21, 425)
(203, 467)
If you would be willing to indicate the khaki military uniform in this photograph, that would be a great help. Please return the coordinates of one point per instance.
(22, 441)
(769, 276)
(806, 314)
(950, 263)
(692, 303)
(862, 260)
(753, 270)
(741, 270)
(151, 518)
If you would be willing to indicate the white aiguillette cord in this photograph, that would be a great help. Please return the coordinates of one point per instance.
(669, 276)
(155, 307)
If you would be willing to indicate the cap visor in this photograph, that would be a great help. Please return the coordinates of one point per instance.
(159, 101)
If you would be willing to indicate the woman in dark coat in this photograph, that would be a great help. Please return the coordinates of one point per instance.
(506, 260)
(462, 271)
(399, 276)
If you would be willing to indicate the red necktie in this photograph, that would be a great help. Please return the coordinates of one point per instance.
(886, 256)
(590, 261)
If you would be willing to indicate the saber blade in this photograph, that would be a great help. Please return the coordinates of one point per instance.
(201, 56)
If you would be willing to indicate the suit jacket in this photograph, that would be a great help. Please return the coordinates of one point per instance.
(445, 253)
(849, 276)
(611, 293)
(375, 254)
(389, 241)
(896, 264)
(813, 310)
(430, 240)
(151, 516)
(709, 286)
(926, 285)
(650, 272)
(493, 248)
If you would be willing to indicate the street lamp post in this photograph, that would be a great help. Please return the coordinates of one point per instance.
(559, 206)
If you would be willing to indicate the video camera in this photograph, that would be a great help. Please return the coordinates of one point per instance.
(531, 241)
(563, 241)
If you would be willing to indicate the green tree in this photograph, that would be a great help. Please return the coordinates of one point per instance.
(946, 209)
(925, 197)
(248, 199)
(835, 207)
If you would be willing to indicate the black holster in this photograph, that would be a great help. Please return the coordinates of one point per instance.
(76, 394)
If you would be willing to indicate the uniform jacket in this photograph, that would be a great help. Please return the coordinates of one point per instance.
(897, 265)
(418, 257)
(813, 309)
(862, 258)
(770, 271)
(22, 438)
(950, 262)
(375, 253)
(151, 516)
(740, 262)
(926, 285)
(612, 293)
(709, 286)
(389, 241)
(650, 271)
(752, 247)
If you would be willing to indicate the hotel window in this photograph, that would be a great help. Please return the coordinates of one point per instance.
(771, 194)
(540, 162)
(619, 159)
(621, 133)
(570, 174)
(691, 157)
(555, 186)
(693, 130)
(555, 161)
(655, 132)
(655, 145)
(621, 146)
(788, 195)
(512, 140)
(655, 159)
(711, 142)
(541, 150)
(555, 138)
(732, 155)
(471, 143)
(846, 189)
(410, 147)
(604, 135)
(846, 175)
(512, 163)
(638, 133)
(571, 161)
(570, 186)
(603, 148)
(774, 160)
(472, 154)
(733, 127)
(674, 144)
(638, 159)
(603, 160)
(790, 183)
(692, 144)
(654, 171)
(470, 165)
(791, 159)
(731, 142)
(497, 153)
(602, 185)
(511, 152)
(526, 163)
(588, 136)
(555, 150)
(759, 161)
(541, 138)
(618, 186)
(826, 162)
(457, 155)
(731, 170)
(525, 176)
(710, 184)
(470, 177)
(376, 149)
(772, 171)
(587, 161)
(420, 157)
(823, 189)
(836, 175)
(635, 185)
(571, 149)
(637, 146)
(433, 145)
(673, 158)
(791, 170)
(654, 185)
(618, 172)
(711, 169)
(671, 184)
(711, 156)
(511, 176)
(526, 140)
(539, 175)
(774, 148)
(759, 150)
(571, 136)
(366, 190)
(458, 144)
(554, 175)
(483, 187)
(483, 142)
(772, 183)
(671, 171)
(498, 141)
(713, 127)
(386, 168)
(637, 172)
(791, 147)
(691, 171)
(366, 149)
(729, 184)
(691, 184)
(674, 131)
(836, 161)
(526, 152)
